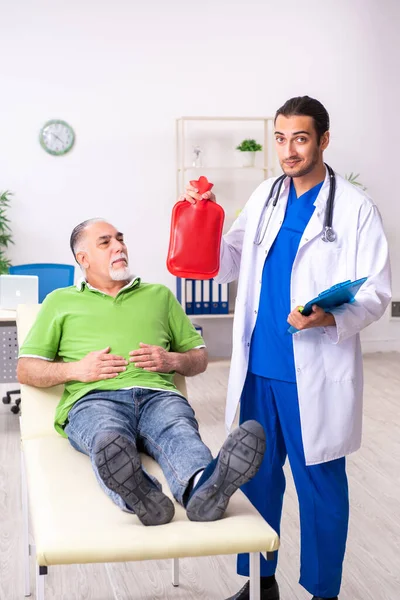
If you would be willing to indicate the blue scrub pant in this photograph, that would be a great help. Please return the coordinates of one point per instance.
(321, 489)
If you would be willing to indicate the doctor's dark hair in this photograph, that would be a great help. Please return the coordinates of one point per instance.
(78, 234)
(308, 107)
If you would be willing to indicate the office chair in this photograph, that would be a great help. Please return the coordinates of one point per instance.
(7, 400)
(51, 277)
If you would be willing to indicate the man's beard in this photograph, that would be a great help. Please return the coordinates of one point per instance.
(120, 274)
(302, 171)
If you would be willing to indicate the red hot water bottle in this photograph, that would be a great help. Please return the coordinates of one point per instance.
(195, 238)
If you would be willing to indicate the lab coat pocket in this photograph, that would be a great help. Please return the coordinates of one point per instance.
(329, 264)
(338, 359)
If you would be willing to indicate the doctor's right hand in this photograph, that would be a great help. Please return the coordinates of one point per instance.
(192, 195)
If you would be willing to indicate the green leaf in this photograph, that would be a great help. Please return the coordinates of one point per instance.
(5, 230)
(353, 178)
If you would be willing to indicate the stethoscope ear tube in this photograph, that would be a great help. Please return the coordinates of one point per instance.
(328, 235)
(277, 185)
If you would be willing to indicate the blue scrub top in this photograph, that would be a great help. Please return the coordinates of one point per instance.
(271, 351)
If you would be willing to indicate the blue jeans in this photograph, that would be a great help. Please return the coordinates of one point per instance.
(160, 423)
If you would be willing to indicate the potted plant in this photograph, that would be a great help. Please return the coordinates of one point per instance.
(248, 149)
(5, 231)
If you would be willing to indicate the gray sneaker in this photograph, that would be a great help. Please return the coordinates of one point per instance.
(119, 466)
(237, 462)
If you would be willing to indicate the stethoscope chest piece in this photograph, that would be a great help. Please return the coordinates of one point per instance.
(328, 235)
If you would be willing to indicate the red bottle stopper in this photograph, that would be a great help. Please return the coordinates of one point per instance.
(202, 185)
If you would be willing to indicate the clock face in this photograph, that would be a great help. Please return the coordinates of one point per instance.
(56, 137)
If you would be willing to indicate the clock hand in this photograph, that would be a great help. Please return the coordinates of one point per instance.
(57, 137)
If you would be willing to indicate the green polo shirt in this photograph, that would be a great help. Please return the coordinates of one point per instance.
(74, 321)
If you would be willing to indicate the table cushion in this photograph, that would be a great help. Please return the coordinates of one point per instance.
(74, 521)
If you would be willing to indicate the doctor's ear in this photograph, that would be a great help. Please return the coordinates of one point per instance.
(324, 141)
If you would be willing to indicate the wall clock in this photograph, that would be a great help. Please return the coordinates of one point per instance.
(57, 137)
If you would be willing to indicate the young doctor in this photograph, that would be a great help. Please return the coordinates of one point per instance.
(306, 389)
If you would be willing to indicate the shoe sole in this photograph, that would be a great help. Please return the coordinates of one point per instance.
(119, 466)
(239, 460)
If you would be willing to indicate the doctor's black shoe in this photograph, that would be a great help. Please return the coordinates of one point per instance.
(267, 593)
(119, 466)
(237, 462)
(320, 598)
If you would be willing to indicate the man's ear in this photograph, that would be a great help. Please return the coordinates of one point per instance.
(82, 259)
(324, 143)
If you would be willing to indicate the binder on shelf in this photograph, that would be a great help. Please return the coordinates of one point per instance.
(224, 298)
(206, 297)
(179, 289)
(189, 296)
(197, 300)
(215, 298)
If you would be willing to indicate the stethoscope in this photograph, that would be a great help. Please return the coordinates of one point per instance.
(327, 235)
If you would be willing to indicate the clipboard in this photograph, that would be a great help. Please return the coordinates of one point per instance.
(341, 293)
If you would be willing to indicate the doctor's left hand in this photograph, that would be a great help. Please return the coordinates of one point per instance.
(152, 358)
(318, 318)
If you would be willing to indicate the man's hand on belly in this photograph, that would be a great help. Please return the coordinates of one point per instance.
(97, 365)
(153, 358)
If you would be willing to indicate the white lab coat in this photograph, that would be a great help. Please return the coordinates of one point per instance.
(328, 360)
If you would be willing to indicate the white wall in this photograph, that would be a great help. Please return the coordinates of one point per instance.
(120, 72)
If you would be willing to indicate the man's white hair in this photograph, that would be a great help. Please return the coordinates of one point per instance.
(77, 235)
